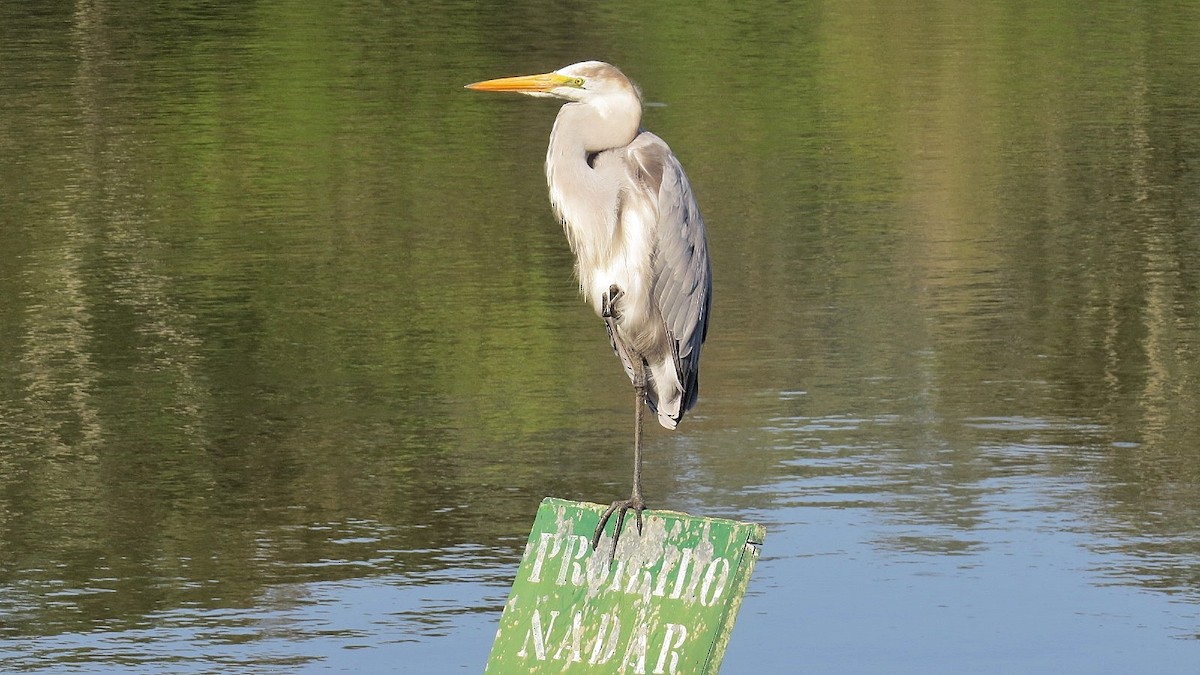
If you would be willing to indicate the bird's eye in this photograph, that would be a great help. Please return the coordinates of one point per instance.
(577, 82)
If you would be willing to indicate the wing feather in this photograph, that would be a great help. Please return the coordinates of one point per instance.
(682, 281)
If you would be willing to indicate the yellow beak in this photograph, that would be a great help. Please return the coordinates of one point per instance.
(523, 83)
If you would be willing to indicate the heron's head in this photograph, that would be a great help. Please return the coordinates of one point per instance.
(584, 82)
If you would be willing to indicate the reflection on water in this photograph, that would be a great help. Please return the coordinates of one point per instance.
(290, 351)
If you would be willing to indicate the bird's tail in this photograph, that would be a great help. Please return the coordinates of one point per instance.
(667, 396)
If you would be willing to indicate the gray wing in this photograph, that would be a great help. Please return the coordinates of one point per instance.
(682, 286)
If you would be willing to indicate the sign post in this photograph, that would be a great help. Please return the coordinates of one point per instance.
(665, 605)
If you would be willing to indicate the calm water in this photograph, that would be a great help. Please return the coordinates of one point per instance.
(290, 349)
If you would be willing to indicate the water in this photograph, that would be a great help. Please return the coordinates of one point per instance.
(290, 349)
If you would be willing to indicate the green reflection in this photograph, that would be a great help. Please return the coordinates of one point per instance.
(279, 302)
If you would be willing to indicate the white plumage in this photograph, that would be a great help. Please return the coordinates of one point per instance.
(638, 238)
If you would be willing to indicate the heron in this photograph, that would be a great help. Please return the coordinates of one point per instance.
(641, 253)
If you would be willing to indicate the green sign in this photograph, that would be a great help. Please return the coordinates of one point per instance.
(665, 605)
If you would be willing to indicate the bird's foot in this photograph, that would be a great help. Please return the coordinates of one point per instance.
(608, 302)
(620, 507)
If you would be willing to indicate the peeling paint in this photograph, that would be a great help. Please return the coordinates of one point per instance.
(666, 604)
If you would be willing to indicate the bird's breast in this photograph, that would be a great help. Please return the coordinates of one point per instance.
(609, 224)
(624, 261)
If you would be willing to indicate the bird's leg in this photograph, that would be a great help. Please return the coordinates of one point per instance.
(608, 303)
(635, 501)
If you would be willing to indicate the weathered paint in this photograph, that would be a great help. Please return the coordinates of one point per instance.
(666, 604)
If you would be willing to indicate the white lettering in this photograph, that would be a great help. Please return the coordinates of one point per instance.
(544, 550)
(570, 561)
(690, 576)
(635, 653)
(669, 646)
(705, 598)
(572, 640)
(640, 579)
(685, 561)
(539, 637)
(670, 557)
(603, 651)
(598, 570)
(618, 570)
